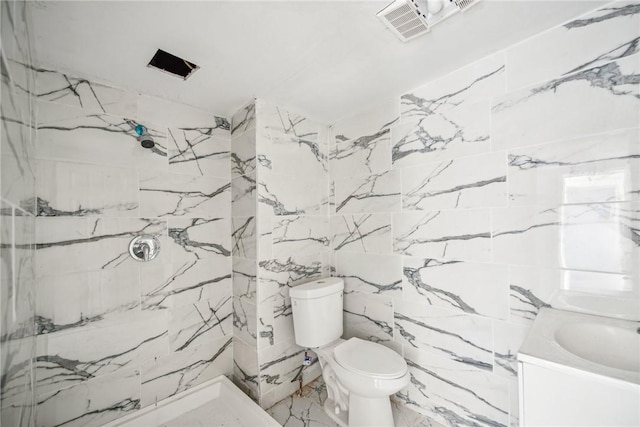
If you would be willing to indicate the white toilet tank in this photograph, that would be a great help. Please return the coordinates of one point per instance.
(317, 312)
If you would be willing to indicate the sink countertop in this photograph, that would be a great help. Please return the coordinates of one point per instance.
(541, 347)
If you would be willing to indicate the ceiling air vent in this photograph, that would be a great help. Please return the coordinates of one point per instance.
(463, 4)
(403, 20)
(172, 64)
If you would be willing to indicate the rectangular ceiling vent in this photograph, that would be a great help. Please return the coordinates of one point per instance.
(464, 4)
(171, 64)
(403, 20)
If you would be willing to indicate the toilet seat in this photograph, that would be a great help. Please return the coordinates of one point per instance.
(369, 359)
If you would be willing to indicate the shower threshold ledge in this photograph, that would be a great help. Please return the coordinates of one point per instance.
(217, 402)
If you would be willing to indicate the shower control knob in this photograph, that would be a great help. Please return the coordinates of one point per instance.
(144, 248)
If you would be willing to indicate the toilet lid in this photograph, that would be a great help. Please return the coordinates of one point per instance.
(369, 358)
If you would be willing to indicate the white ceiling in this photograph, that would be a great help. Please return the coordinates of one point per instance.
(325, 59)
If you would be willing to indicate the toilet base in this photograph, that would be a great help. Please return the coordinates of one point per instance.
(341, 419)
(366, 412)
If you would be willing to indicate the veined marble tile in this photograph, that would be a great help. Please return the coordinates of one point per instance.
(199, 151)
(163, 194)
(244, 236)
(367, 233)
(370, 194)
(452, 395)
(16, 370)
(244, 195)
(507, 339)
(299, 235)
(277, 275)
(594, 237)
(201, 322)
(174, 114)
(478, 81)
(287, 196)
(71, 357)
(75, 189)
(199, 253)
(244, 119)
(608, 33)
(465, 339)
(288, 388)
(72, 301)
(72, 244)
(245, 322)
(453, 234)
(370, 273)
(589, 101)
(275, 322)
(292, 156)
(442, 135)
(369, 317)
(244, 278)
(276, 120)
(176, 372)
(265, 235)
(281, 364)
(243, 154)
(514, 403)
(598, 168)
(69, 133)
(531, 289)
(92, 403)
(465, 287)
(62, 88)
(469, 182)
(362, 143)
(245, 367)
(296, 412)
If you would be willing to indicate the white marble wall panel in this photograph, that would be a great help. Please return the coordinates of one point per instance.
(17, 392)
(276, 151)
(245, 278)
(570, 236)
(63, 88)
(362, 143)
(596, 168)
(245, 320)
(531, 289)
(245, 367)
(454, 396)
(163, 195)
(75, 189)
(370, 194)
(367, 233)
(265, 235)
(277, 275)
(244, 237)
(610, 32)
(243, 195)
(92, 403)
(243, 154)
(72, 134)
(282, 365)
(285, 195)
(590, 101)
(300, 235)
(201, 150)
(176, 372)
(469, 182)
(67, 358)
(276, 120)
(463, 338)
(466, 287)
(74, 244)
(507, 339)
(201, 322)
(244, 119)
(173, 114)
(453, 234)
(370, 273)
(369, 317)
(288, 388)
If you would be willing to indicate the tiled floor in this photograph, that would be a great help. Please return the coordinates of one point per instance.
(306, 410)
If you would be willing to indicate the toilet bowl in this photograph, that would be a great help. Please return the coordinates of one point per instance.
(366, 373)
(360, 375)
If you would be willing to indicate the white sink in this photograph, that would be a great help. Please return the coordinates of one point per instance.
(606, 345)
(592, 344)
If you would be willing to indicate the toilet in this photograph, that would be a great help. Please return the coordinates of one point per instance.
(360, 375)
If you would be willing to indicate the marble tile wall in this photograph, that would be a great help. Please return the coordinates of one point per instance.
(17, 220)
(484, 195)
(281, 238)
(116, 335)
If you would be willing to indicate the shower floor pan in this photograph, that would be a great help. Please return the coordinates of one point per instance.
(215, 403)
